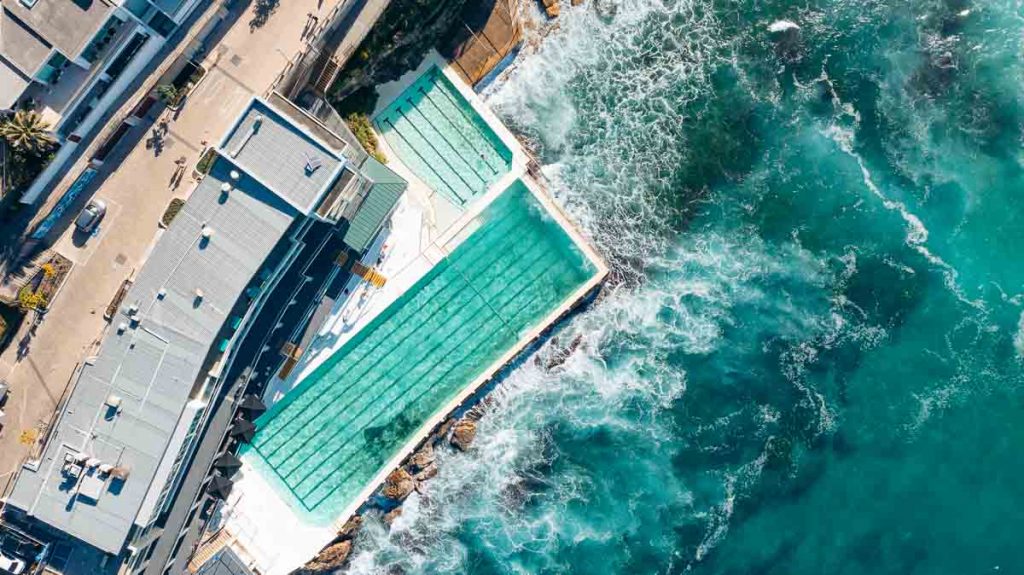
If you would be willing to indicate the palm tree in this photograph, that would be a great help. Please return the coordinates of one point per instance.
(27, 131)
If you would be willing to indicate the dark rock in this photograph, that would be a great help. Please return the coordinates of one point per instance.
(390, 516)
(560, 356)
(349, 529)
(398, 485)
(441, 433)
(330, 559)
(463, 434)
(428, 472)
(422, 459)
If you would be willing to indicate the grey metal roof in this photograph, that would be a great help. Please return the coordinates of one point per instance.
(152, 367)
(22, 48)
(67, 24)
(225, 562)
(12, 84)
(169, 7)
(384, 193)
(276, 152)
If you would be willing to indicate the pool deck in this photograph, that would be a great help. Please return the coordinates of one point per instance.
(412, 254)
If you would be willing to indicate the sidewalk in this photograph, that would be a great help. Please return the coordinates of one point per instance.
(137, 190)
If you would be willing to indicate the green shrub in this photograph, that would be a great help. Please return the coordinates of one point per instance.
(31, 299)
(361, 127)
(168, 94)
(206, 162)
(172, 211)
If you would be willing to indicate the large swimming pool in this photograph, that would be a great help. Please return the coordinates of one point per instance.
(330, 436)
(439, 136)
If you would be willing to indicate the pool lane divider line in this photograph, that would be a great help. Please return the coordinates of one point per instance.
(458, 257)
(357, 379)
(397, 379)
(482, 342)
(424, 160)
(450, 144)
(455, 127)
(439, 154)
(468, 119)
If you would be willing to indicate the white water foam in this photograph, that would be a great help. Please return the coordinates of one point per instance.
(602, 98)
(917, 234)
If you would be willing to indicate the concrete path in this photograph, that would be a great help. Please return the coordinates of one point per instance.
(245, 63)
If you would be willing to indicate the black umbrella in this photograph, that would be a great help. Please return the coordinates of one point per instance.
(219, 487)
(227, 462)
(243, 430)
(252, 404)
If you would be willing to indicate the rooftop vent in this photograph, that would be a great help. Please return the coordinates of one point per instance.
(313, 164)
(133, 309)
(207, 233)
(235, 175)
(161, 294)
(225, 188)
(121, 327)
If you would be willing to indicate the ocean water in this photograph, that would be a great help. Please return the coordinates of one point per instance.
(810, 360)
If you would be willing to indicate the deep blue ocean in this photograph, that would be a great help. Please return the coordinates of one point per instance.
(810, 360)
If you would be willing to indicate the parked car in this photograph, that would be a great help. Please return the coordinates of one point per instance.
(90, 217)
(11, 565)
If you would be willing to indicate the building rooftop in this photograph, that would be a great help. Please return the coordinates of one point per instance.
(127, 405)
(169, 7)
(276, 151)
(12, 83)
(67, 25)
(20, 46)
(385, 191)
(225, 562)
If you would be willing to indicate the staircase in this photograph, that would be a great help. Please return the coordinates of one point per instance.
(369, 274)
(329, 69)
(20, 273)
(209, 549)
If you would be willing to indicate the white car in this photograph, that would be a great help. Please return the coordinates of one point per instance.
(11, 565)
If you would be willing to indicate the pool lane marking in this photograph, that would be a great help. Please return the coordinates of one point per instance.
(384, 376)
(272, 431)
(462, 135)
(459, 256)
(490, 143)
(450, 144)
(396, 379)
(439, 154)
(424, 160)
(416, 399)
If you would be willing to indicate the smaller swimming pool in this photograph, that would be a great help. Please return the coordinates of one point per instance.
(439, 136)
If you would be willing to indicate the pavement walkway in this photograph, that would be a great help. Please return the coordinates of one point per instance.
(245, 63)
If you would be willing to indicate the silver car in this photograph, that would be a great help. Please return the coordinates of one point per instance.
(90, 217)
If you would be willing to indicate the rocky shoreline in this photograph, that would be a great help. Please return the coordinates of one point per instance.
(455, 433)
(417, 469)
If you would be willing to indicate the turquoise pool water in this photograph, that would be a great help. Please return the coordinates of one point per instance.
(441, 138)
(327, 438)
